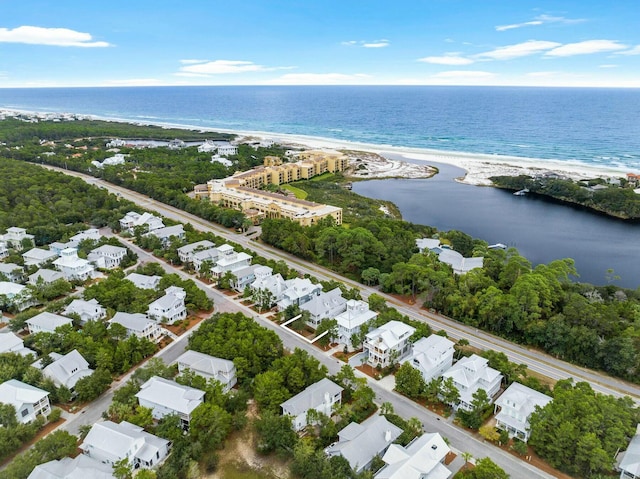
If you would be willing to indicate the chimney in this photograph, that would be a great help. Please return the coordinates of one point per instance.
(387, 435)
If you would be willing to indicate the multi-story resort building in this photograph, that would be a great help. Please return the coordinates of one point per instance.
(242, 190)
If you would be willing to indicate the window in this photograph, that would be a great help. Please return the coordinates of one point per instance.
(24, 412)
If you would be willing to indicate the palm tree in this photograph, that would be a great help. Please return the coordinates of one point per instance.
(467, 456)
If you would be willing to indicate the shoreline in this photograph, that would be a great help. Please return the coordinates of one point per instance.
(479, 167)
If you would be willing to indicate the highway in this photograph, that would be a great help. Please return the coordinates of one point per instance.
(536, 361)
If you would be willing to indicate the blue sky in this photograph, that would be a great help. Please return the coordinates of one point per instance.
(301, 42)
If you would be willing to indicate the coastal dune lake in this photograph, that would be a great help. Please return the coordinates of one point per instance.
(542, 231)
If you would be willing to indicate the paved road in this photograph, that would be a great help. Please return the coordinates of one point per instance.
(536, 361)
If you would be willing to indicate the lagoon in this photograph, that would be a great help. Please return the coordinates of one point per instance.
(541, 230)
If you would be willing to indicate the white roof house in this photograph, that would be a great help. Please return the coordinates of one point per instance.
(298, 291)
(387, 343)
(458, 263)
(107, 256)
(14, 237)
(421, 459)
(86, 310)
(80, 467)
(38, 256)
(220, 159)
(473, 373)
(16, 295)
(170, 307)
(230, 261)
(138, 324)
(72, 266)
(47, 276)
(243, 277)
(132, 219)
(28, 401)
(144, 281)
(431, 356)
(166, 397)
(321, 396)
(46, 322)
(68, 370)
(12, 271)
(427, 244)
(165, 234)
(324, 306)
(360, 443)
(109, 443)
(12, 343)
(267, 281)
(209, 367)
(629, 460)
(516, 405)
(199, 257)
(58, 247)
(352, 319)
(4, 249)
(91, 233)
(185, 252)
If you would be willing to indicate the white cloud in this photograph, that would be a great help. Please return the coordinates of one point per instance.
(502, 28)
(541, 74)
(447, 59)
(320, 79)
(608, 65)
(192, 61)
(366, 44)
(219, 67)
(540, 20)
(60, 37)
(134, 82)
(633, 51)
(376, 44)
(464, 74)
(518, 50)
(585, 48)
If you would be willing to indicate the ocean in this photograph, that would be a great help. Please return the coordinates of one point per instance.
(597, 127)
(591, 126)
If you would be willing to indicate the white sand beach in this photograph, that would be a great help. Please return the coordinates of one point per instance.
(385, 161)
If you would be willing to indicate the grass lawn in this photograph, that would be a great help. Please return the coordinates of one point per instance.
(242, 471)
(300, 194)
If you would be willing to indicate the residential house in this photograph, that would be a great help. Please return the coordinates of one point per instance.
(431, 356)
(352, 320)
(12, 343)
(58, 247)
(137, 324)
(80, 467)
(68, 370)
(422, 458)
(165, 234)
(360, 443)
(13, 272)
(185, 252)
(15, 295)
(220, 159)
(15, 237)
(388, 343)
(210, 255)
(86, 310)
(38, 256)
(469, 375)
(209, 367)
(458, 263)
(166, 397)
(516, 405)
(298, 291)
(628, 462)
(266, 281)
(243, 277)
(107, 256)
(322, 396)
(109, 443)
(132, 220)
(73, 267)
(4, 249)
(170, 307)
(28, 401)
(144, 281)
(427, 244)
(324, 306)
(90, 234)
(45, 277)
(47, 322)
(230, 261)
